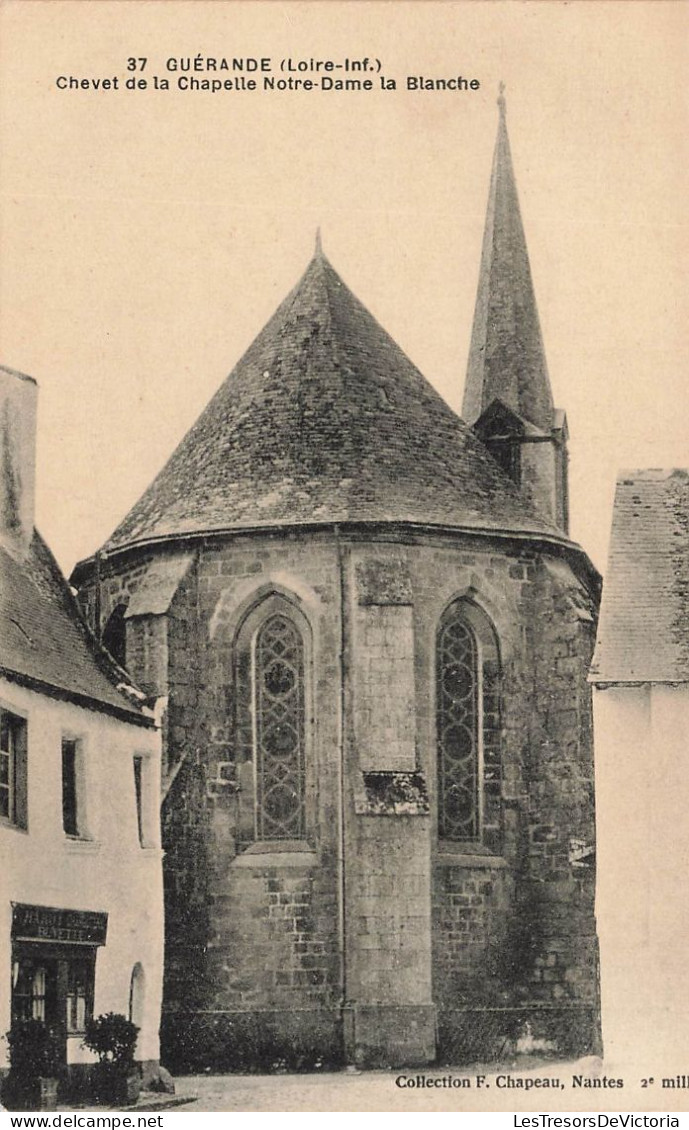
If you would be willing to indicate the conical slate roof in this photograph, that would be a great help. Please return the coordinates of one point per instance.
(324, 420)
(506, 356)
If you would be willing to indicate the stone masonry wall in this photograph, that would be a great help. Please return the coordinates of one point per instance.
(272, 947)
(518, 926)
(254, 946)
(118, 583)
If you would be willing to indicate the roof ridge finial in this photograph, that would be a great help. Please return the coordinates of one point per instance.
(319, 242)
(502, 105)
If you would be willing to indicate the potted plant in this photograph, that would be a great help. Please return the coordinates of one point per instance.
(113, 1039)
(35, 1066)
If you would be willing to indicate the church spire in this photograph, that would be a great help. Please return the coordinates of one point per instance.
(507, 397)
(506, 358)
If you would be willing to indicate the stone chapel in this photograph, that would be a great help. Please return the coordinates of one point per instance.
(367, 633)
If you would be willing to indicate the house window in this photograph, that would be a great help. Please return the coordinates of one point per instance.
(279, 730)
(139, 793)
(13, 768)
(73, 789)
(468, 727)
(70, 821)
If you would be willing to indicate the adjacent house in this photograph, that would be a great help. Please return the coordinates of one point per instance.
(640, 674)
(81, 919)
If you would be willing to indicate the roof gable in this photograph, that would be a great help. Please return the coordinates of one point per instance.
(643, 633)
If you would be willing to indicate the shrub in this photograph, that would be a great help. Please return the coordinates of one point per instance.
(34, 1052)
(113, 1039)
(34, 1055)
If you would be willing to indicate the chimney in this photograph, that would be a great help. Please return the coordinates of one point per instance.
(18, 396)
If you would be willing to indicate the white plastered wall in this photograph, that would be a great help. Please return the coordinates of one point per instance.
(642, 798)
(108, 871)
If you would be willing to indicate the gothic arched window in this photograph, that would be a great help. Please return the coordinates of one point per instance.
(468, 726)
(271, 723)
(279, 719)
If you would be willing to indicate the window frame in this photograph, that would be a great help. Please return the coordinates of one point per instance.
(246, 727)
(80, 829)
(488, 728)
(259, 697)
(58, 965)
(17, 767)
(138, 765)
(87, 964)
(146, 812)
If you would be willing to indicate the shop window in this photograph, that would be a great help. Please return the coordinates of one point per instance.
(56, 990)
(29, 980)
(79, 997)
(13, 768)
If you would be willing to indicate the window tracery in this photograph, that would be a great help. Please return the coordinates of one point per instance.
(468, 727)
(279, 729)
(271, 734)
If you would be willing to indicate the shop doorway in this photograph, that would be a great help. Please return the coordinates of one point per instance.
(55, 988)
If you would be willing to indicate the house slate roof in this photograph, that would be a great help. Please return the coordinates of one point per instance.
(325, 420)
(45, 644)
(506, 355)
(643, 632)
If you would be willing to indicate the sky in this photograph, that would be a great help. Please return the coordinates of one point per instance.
(147, 235)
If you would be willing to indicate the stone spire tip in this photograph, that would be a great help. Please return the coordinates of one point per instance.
(319, 242)
(502, 105)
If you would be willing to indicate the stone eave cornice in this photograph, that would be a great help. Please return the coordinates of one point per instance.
(562, 546)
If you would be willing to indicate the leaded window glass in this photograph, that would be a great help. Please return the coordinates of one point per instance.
(279, 730)
(458, 731)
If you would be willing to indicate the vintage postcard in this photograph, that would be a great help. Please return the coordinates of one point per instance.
(337, 337)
